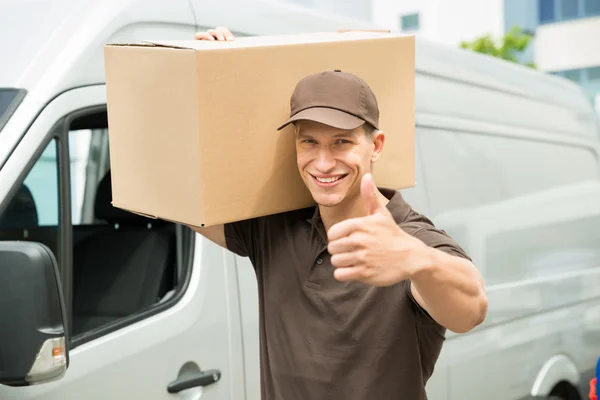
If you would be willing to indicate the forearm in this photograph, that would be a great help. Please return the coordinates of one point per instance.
(450, 289)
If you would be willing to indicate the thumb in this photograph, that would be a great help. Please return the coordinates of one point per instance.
(368, 191)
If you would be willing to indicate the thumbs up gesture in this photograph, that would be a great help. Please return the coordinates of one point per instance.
(373, 249)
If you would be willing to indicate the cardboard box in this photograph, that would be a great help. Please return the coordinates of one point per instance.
(193, 124)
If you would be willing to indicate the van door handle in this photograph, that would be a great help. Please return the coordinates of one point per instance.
(202, 378)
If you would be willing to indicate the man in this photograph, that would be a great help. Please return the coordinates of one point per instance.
(356, 293)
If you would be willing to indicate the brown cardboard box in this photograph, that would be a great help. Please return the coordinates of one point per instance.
(193, 124)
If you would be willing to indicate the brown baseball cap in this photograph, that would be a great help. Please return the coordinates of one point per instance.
(334, 98)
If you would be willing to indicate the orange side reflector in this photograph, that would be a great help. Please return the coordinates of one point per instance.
(58, 352)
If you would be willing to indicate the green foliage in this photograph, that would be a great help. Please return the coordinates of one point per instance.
(513, 42)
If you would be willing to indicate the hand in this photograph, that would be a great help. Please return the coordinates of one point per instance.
(373, 249)
(219, 33)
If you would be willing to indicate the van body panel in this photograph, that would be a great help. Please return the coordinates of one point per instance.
(139, 361)
(449, 93)
(558, 367)
(265, 17)
(525, 207)
(201, 329)
(476, 69)
(60, 42)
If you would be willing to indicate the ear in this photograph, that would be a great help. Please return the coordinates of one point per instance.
(378, 142)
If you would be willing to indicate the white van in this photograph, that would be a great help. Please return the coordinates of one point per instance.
(507, 164)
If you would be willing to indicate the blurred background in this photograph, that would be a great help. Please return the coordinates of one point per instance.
(555, 36)
(507, 132)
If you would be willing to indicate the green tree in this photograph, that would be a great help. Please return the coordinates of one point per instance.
(513, 42)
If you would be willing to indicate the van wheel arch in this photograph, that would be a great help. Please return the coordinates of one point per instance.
(564, 391)
(557, 377)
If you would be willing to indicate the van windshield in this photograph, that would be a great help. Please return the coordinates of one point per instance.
(9, 101)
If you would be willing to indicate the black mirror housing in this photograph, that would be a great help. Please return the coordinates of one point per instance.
(33, 336)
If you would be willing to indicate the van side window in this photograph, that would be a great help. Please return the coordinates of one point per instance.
(123, 263)
(89, 162)
(33, 211)
(43, 183)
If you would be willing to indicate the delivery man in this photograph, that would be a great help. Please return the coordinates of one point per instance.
(356, 293)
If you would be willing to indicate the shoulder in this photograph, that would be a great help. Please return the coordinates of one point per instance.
(422, 227)
(251, 235)
(285, 220)
(276, 220)
(404, 215)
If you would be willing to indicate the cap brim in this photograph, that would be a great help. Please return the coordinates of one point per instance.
(328, 116)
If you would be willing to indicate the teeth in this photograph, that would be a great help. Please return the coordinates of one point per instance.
(329, 180)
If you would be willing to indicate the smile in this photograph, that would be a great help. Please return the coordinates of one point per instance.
(328, 181)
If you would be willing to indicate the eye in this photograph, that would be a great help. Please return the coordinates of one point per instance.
(342, 141)
(309, 141)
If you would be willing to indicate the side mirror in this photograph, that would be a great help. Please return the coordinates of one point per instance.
(32, 324)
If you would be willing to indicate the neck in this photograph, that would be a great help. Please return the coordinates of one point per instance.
(350, 208)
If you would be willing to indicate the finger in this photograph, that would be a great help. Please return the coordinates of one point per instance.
(214, 33)
(226, 32)
(346, 228)
(344, 260)
(369, 192)
(348, 274)
(217, 34)
(204, 36)
(345, 244)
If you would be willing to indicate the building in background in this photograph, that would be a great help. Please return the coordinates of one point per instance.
(567, 41)
(443, 21)
(566, 38)
(565, 32)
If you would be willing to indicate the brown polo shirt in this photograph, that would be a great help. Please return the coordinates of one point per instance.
(329, 340)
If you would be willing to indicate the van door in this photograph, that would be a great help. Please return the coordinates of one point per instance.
(152, 307)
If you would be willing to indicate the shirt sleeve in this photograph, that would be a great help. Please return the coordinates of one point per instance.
(239, 237)
(423, 229)
(249, 238)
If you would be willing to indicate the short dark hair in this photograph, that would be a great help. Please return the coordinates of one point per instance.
(369, 129)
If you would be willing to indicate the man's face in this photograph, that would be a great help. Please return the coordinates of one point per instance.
(332, 161)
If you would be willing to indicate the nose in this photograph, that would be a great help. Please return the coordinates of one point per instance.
(325, 161)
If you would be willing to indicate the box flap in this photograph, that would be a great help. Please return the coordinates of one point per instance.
(157, 218)
(276, 40)
(134, 212)
(265, 41)
(364, 30)
(132, 44)
(145, 43)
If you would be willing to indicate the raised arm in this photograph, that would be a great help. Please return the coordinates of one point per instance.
(216, 233)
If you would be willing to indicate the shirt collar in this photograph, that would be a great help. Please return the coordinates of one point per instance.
(397, 206)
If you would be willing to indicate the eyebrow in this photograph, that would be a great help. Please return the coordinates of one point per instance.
(301, 133)
(345, 134)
